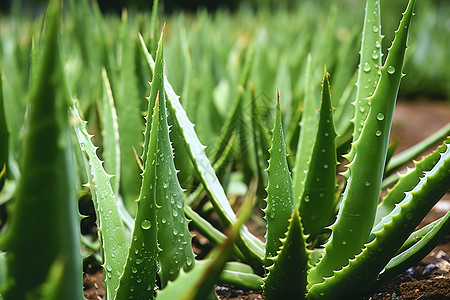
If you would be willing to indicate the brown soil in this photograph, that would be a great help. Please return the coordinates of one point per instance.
(430, 279)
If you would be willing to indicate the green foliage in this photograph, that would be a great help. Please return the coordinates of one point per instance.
(43, 230)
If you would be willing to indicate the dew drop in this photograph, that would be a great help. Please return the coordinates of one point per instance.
(139, 280)
(380, 117)
(139, 261)
(277, 186)
(378, 133)
(272, 214)
(163, 220)
(165, 185)
(344, 242)
(134, 270)
(175, 231)
(109, 275)
(367, 183)
(136, 251)
(146, 224)
(175, 213)
(307, 199)
(325, 166)
(321, 195)
(375, 54)
(377, 44)
(179, 205)
(366, 67)
(189, 261)
(375, 28)
(391, 69)
(326, 134)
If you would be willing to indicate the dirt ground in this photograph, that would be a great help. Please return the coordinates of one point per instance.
(430, 279)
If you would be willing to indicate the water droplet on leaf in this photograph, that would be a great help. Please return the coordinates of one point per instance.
(146, 224)
(391, 69)
(366, 67)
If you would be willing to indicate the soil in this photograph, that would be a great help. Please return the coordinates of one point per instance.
(430, 279)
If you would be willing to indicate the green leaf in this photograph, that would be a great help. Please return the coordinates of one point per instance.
(174, 238)
(356, 215)
(109, 221)
(280, 194)
(287, 278)
(138, 280)
(368, 70)
(44, 211)
(418, 251)
(318, 198)
(110, 133)
(4, 136)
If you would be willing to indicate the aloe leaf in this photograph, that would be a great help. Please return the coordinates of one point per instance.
(318, 198)
(174, 237)
(197, 284)
(368, 70)
(390, 234)
(407, 155)
(138, 280)
(406, 183)
(280, 194)
(203, 166)
(110, 226)
(418, 235)
(308, 125)
(110, 133)
(418, 251)
(287, 278)
(240, 276)
(4, 136)
(45, 200)
(356, 215)
(128, 107)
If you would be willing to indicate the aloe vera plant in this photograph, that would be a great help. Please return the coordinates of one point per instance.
(323, 236)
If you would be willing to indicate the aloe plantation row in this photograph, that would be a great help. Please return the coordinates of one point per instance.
(89, 118)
